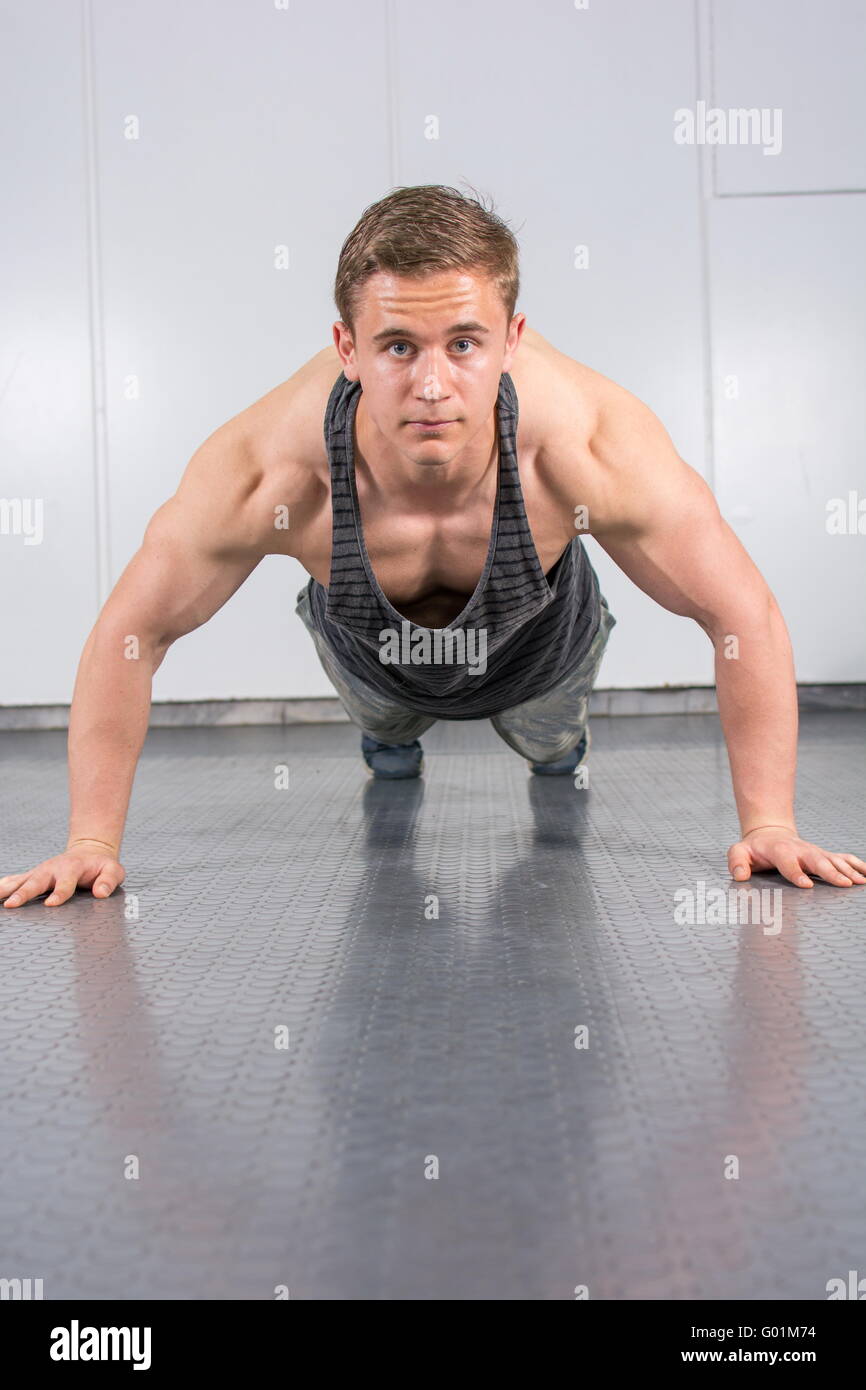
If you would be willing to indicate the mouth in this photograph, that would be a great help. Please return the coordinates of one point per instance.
(430, 424)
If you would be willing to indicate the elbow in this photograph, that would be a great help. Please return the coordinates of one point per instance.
(759, 613)
(114, 640)
(158, 653)
(708, 627)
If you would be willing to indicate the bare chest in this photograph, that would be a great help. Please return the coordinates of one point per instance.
(429, 565)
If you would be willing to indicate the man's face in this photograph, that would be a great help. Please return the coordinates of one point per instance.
(429, 352)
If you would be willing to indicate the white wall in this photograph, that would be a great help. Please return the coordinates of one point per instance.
(143, 308)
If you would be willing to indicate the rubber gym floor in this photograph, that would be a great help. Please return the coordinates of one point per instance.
(477, 1036)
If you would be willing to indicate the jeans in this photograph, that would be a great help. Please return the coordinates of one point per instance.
(542, 729)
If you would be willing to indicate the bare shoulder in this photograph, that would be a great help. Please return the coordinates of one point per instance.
(284, 428)
(591, 433)
(565, 400)
(268, 464)
(287, 422)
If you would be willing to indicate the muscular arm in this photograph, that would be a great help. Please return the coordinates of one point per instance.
(659, 521)
(197, 550)
(667, 534)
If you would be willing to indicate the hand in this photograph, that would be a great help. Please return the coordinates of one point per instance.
(779, 847)
(85, 862)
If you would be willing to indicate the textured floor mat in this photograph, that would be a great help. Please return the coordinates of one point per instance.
(518, 1062)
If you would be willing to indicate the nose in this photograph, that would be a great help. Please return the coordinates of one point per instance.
(432, 383)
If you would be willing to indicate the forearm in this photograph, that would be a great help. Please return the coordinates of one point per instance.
(107, 727)
(757, 698)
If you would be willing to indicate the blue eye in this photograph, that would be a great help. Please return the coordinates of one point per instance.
(468, 341)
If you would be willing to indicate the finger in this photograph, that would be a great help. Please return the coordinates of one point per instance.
(10, 883)
(820, 864)
(853, 861)
(840, 861)
(790, 867)
(63, 889)
(30, 888)
(739, 860)
(108, 881)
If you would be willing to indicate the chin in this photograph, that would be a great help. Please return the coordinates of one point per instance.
(426, 461)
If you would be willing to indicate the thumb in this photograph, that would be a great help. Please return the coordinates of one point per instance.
(107, 881)
(739, 861)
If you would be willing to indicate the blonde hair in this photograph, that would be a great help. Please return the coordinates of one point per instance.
(424, 228)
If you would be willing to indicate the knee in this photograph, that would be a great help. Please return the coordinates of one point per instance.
(538, 748)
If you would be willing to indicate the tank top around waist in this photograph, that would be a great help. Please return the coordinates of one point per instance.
(520, 632)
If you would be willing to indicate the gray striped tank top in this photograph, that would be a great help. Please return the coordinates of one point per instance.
(520, 632)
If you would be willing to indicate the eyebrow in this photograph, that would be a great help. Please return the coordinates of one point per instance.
(470, 327)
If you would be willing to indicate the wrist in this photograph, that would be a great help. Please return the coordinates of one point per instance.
(773, 825)
(94, 840)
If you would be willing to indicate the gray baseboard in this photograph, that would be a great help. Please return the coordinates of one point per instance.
(694, 699)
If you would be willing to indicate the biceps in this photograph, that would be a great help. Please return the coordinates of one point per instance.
(175, 582)
(694, 565)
